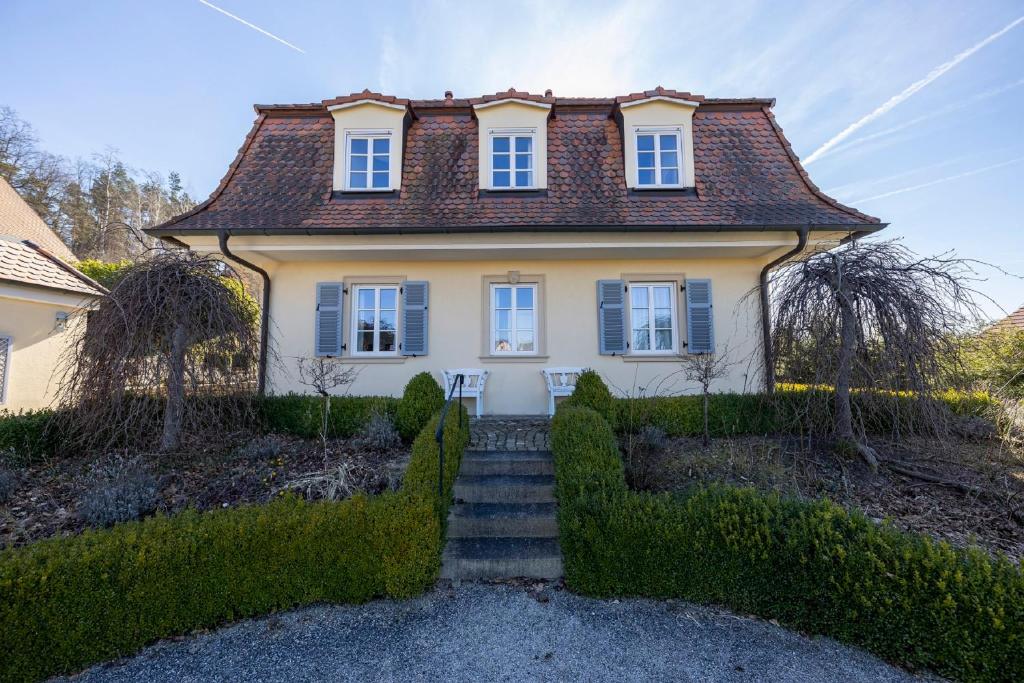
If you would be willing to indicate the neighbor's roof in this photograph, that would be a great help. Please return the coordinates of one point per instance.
(747, 175)
(1014, 320)
(23, 262)
(17, 219)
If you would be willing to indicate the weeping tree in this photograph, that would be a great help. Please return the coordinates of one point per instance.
(172, 350)
(875, 320)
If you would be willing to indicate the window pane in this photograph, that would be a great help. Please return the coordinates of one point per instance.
(381, 145)
(523, 179)
(647, 177)
(502, 340)
(523, 161)
(502, 179)
(365, 320)
(645, 160)
(668, 160)
(669, 177)
(357, 180)
(524, 320)
(524, 297)
(501, 145)
(663, 318)
(380, 179)
(388, 297)
(366, 298)
(387, 341)
(645, 143)
(663, 297)
(641, 318)
(501, 162)
(503, 319)
(668, 142)
(503, 297)
(638, 295)
(663, 340)
(525, 341)
(380, 162)
(364, 341)
(358, 163)
(524, 144)
(359, 145)
(641, 340)
(387, 320)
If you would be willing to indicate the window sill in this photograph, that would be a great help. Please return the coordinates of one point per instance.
(347, 195)
(662, 192)
(518, 192)
(653, 358)
(373, 360)
(514, 359)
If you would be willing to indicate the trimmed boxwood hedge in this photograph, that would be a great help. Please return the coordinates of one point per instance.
(421, 398)
(69, 602)
(300, 414)
(811, 565)
(26, 437)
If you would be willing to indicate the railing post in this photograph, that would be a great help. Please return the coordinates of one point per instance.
(462, 379)
(440, 464)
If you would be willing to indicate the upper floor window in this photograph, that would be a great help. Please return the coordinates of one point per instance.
(658, 157)
(512, 164)
(369, 161)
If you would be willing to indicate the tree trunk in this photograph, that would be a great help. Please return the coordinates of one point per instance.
(847, 344)
(175, 390)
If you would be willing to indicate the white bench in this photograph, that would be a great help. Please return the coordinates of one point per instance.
(561, 382)
(472, 387)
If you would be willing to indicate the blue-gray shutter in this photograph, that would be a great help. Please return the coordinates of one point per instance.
(414, 318)
(611, 315)
(328, 318)
(700, 319)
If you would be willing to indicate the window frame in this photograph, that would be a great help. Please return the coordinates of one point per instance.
(674, 326)
(354, 325)
(657, 132)
(513, 311)
(512, 134)
(369, 136)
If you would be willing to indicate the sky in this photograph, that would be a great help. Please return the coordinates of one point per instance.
(910, 111)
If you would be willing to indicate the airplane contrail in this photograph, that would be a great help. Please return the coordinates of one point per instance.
(252, 26)
(908, 92)
(965, 174)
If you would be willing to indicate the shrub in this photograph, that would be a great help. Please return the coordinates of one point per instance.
(591, 392)
(120, 490)
(422, 397)
(643, 452)
(380, 433)
(27, 437)
(811, 565)
(300, 415)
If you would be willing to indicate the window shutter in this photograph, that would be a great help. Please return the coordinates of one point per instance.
(700, 320)
(5, 357)
(414, 318)
(328, 318)
(611, 315)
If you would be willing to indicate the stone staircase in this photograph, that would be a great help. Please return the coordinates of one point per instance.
(503, 523)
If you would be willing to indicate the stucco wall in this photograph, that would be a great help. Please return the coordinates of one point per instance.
(457, 330)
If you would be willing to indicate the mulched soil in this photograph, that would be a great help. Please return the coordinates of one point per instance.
(982, 504)
(45, 500)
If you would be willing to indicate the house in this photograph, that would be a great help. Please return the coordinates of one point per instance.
(1012, 322)
(39, 294)
(514, 232)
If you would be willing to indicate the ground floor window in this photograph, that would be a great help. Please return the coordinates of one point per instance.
(513, 319)
(652, 315)
(375, 320)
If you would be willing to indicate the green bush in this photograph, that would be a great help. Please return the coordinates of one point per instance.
(27, 437)
(68, 602)
(300, 414)
(591, 392)
(811, 565)
(422, 397)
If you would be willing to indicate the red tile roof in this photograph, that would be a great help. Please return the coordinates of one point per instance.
(23, 262)
(747, 175)
(1013, 321)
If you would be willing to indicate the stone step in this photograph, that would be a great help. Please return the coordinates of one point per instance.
(484, 464)
(492, 520)
(507, 455)
(505, 488)
(489, 558)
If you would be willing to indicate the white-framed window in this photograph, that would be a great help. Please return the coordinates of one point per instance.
(652, 318)
(368, 161)
(514, 319)
(512, 159)
(374, 320)
(659, 157)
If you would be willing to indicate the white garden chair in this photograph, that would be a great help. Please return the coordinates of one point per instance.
(473, 386)
(561, 382)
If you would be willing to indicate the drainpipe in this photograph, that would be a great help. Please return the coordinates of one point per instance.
(261, 382)
(766, 323)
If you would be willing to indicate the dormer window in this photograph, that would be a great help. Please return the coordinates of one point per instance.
(369, 160)
(369, 136)
(658, 157)
(512, 159)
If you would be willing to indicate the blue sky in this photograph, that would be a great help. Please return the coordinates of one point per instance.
(170, 84)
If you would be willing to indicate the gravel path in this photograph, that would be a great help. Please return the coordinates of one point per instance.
(481, 632)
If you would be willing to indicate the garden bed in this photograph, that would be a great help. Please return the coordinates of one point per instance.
(47, 498)
(981, 503)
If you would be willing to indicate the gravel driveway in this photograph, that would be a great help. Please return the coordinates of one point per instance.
(495, 632)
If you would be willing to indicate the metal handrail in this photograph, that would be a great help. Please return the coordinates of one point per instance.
(458, 381)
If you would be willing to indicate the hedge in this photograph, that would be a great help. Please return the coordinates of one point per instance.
(421, 398)
(811, 565)
(27, 437)
(66, 603)
(300, 414)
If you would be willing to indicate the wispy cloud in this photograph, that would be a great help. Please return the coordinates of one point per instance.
(254, 27)
(909, 91)
(860, 186)
(965, 174)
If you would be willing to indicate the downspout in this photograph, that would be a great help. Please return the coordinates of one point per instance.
(261, 382)
(766, 323)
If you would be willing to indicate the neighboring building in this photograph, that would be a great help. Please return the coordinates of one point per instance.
(39, 295)
(515, 232)
(1014, 321)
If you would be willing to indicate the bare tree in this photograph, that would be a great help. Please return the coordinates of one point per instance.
(323, 375)
(704, 369)
(873, 317)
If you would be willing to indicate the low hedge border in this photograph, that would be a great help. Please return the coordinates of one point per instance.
(300, 414)
(811, 565)
(66, 603)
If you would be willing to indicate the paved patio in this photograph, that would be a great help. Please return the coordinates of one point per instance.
(510, 433)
